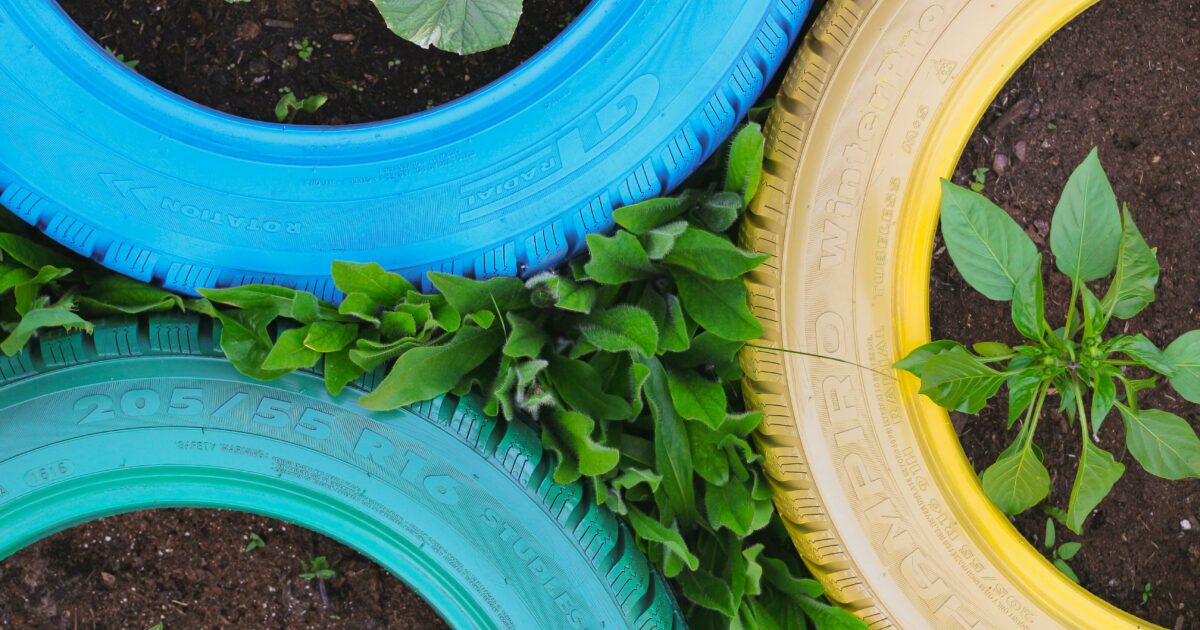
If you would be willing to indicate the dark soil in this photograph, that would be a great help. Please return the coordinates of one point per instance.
(189, 569)
(238, 57)
(1124, 77)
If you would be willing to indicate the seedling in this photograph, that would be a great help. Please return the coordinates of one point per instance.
(305, 49)
(1059, 556)
(319, 569)
(1089, 373)
(1146, 593)
(288, 105)
(256, 542)
(979, 177)
(132, 64)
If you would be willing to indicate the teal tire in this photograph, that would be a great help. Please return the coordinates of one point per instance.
(147, 414)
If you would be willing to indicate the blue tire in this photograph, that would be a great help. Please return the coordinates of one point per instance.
(623, 106)
(148, 414)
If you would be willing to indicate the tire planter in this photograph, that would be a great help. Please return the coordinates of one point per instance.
(878, 495)
(621, 107)
(148, 414)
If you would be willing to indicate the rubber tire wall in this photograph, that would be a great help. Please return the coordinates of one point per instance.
(870, 477)
(621, 107)
(148, 414)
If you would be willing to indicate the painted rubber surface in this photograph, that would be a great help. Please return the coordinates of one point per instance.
(148, 414)
(878, 494)
(621, 107)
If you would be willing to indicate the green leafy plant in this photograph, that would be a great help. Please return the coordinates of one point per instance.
(458, 26)
(305, 49)
(1063, 553)
(132, 64)
(289, 105)
(256, 542)
(318, 568)
(979, 177)
(1147, 593)
(625, 360)
(1091, 374)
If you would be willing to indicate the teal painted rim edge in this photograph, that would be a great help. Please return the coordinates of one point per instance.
(178, 487)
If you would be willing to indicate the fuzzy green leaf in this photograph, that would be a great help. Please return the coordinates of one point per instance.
(620, 329)
(711, 256)
(471, 296)
(661, 240)
(569, 434)
(1085, 233)
(384, 287)
(360, 306)
(31, 254)
(330, 336)
(697, 398)
(290, 353)
(579, 386)
(340, 371)
(745, 162)
(669, 537)
(720, 306)
(719, 212)
(425, 373)
(988, 248)
(672, 450)
(38, 319)
(618, 259)
(644, 216)
(118, 295)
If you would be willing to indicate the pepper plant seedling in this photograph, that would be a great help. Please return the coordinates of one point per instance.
(288, 105)
(1062, 553)
(1090, 373)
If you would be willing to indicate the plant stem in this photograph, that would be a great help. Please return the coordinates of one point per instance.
(1032, 420)
(1070, 318)
(1079, 406)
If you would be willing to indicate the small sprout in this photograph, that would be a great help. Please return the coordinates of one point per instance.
(288, 105)
(1051, 126)
(979, 177)
(1063, 553)
(305, 49)
(132, 64)
(256, 542)
(1146, 593)
(318, 568)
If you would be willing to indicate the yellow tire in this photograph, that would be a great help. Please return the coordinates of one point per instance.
(870, 477)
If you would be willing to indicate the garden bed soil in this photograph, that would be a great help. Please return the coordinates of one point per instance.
(1124, 77)
(189, 569)
(238, 57)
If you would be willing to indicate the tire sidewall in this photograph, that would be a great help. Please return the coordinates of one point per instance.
(397, 486)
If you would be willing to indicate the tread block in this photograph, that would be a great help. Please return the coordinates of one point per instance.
(131, 260)
(117, 337)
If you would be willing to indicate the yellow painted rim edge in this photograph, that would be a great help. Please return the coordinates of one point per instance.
(951, 129)
(948, 136)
